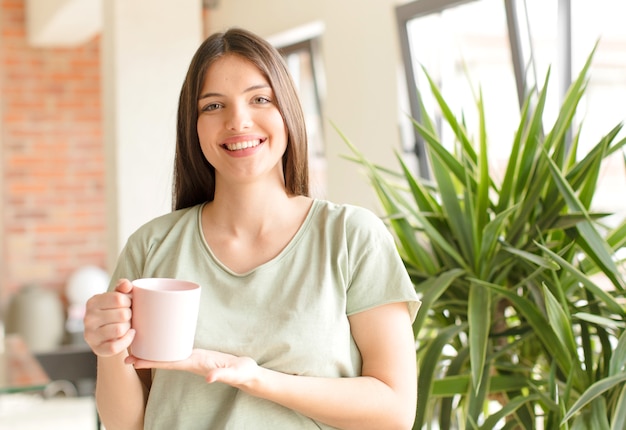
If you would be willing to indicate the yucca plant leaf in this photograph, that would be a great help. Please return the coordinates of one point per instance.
(593, 417)
(572, 219)
(603, 338)
(618, 421)
(457, 128)
(433, 142)
(617, 238)
(554, 216)
(600, 320)
(596, 290)
(432, 289)
(546, 390)
(570, 103)
(479, 326)
(443, 163)
(506, 196)
(538, 322)
(425, 120)
(477, 397)
(532, 138)
(589, 355)
(571, 152)
(596, 248)
(437, 240)
(582, 178)
(618, 146)
(455, 216)
(595, 390)
(587, 170)
(599, 415)
(450, 386)
(404, 231)
(538, 260)
(482, 204)
(559, 322)
(618, 359)
(422, 199)
(458, 221)
(428, 370)
(489, 240)
(590, 183)
(455, 369)
(508, 409)
(525, 142)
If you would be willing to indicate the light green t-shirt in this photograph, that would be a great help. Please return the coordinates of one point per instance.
(289, 314)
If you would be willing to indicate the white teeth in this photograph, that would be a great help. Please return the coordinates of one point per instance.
(242, 145)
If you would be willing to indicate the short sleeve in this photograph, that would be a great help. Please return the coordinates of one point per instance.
(378, 274)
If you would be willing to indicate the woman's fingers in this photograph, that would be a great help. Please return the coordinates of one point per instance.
(109, 348)
(107, 321)
(124, 286)
(214, 366)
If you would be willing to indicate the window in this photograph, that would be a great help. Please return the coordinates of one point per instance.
(506, 49)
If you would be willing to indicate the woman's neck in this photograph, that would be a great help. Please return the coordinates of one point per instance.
(249, 208)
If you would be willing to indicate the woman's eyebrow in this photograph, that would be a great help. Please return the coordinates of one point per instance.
(247, 90)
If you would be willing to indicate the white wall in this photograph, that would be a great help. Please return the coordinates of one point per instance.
(361, 56)
(146, 48)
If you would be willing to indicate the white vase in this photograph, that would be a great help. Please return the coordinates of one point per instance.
(37, 315)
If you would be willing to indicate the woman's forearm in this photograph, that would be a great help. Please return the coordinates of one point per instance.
(346, 403)
(120, 394)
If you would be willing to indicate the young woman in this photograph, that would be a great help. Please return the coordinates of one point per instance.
(306, 307)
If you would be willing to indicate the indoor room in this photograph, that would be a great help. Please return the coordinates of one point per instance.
(486, 135)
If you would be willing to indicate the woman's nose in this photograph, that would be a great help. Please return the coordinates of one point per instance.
(239, 118)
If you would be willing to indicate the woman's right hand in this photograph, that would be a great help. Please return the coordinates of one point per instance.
(107, 321)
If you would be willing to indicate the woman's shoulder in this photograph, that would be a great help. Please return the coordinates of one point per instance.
(349, 213)
(164, 224)
(350, 220)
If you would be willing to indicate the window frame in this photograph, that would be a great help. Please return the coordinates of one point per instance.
(522, 62)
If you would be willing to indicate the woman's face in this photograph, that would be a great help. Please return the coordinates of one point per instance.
(242, 133)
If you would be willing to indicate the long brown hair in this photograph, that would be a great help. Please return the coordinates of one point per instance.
(194, 176)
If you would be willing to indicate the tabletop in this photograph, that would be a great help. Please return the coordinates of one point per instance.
(19, 369)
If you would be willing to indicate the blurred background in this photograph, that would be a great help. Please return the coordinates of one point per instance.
(88, 98)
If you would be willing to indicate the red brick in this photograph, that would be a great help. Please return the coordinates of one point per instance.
(54, 217)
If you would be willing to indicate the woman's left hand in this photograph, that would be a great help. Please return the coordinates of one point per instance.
(214, 366)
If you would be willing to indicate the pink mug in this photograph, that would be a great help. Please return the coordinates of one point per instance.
(164, 315)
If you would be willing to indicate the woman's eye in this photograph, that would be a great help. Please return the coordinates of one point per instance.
(262, 100)
(211, 107)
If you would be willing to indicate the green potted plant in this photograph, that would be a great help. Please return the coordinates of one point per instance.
(515, 331)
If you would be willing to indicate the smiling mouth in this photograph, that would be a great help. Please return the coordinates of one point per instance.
(238, 146)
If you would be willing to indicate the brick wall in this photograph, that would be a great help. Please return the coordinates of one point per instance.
(52, 195)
